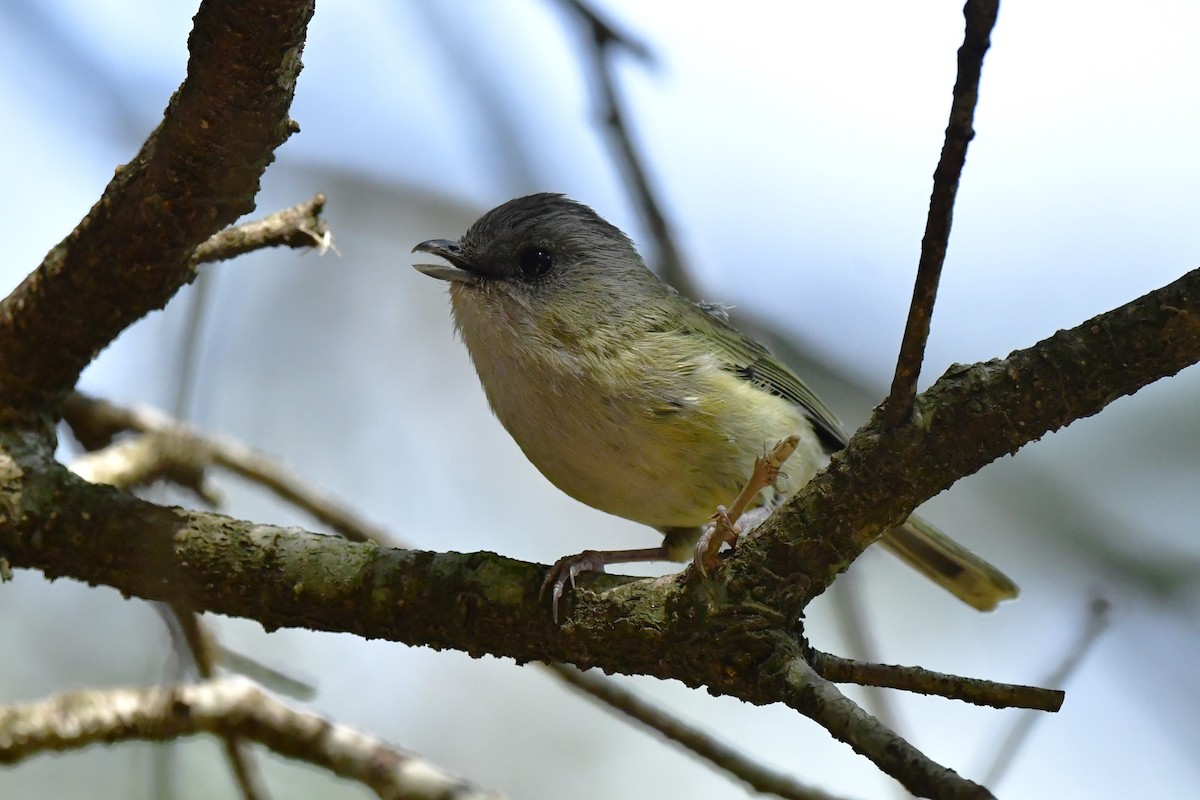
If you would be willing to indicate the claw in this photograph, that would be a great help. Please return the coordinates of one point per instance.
(565, 570)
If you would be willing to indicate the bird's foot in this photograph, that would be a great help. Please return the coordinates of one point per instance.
(723, 529)
(565, 570)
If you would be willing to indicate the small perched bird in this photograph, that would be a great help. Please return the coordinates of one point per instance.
(635, 400)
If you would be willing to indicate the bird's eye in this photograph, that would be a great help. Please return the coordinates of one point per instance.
(534, 262)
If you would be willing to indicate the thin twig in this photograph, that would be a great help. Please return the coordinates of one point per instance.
(300, 226)
(227, 706)
(1094, 625)
(923, 681)
(605, 43)
(693, 740)
(980, 18)
(819, 700)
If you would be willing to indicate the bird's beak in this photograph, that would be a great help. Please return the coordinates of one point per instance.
(444, 248)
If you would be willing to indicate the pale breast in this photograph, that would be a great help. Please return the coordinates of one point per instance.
(659, 446)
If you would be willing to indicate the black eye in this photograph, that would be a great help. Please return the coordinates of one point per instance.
(534, 262)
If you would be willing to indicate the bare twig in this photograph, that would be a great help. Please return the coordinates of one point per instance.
(694, 741)
(228, 706)
(820, 700)
(1094, 625)
(300, 226)
(980, 18)
(924, 681)
(606, 42)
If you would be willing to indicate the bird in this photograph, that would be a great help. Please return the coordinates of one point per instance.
(633, 399)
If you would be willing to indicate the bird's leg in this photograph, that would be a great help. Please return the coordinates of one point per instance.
(728, 523)
(567, 567)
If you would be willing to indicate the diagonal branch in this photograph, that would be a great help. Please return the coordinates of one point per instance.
(818, 699)
(196, 173)
(980, 18)
(970, 417)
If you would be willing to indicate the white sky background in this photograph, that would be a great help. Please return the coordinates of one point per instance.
(792, 147)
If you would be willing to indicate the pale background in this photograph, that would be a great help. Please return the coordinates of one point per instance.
(792, 147)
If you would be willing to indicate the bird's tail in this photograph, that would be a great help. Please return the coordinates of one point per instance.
(948, 564)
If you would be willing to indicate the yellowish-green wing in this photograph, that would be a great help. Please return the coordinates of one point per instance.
(752, 361)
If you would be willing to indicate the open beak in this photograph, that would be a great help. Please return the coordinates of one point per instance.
(444, 248)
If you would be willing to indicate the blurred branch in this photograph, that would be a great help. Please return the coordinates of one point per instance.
(980, 19)
(225, 707)
(196, 173)
(96, 422)
(705, 747)
(142, 460)
(1095, 623)
(924, 681)
(605, 44)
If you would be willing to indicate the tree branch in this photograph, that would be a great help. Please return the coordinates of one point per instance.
(227, 707)
(196, 173)
(980, 19)
(95, 423)
(52, 521)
